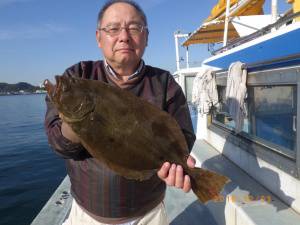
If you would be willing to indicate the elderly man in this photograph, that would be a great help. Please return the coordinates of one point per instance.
(100, 195)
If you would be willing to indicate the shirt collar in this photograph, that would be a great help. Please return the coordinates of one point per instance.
(110, 70)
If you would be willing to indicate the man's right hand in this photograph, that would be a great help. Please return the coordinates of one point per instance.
(173, 174)
(68, 133)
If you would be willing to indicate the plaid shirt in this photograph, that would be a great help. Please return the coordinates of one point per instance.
(97, 189)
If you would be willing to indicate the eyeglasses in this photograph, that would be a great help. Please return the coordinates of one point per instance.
(132, 29)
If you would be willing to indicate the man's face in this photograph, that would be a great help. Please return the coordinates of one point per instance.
(124, 49)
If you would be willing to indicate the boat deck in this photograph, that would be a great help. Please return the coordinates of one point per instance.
(247, 202)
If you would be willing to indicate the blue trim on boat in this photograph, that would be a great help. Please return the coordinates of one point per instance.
(280, 46)
(274, 65)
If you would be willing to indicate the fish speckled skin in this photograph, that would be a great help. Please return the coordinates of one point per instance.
(128, 134)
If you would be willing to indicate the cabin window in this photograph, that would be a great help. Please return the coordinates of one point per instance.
(271, 115)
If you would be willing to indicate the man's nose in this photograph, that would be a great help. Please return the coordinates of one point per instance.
(124, 35)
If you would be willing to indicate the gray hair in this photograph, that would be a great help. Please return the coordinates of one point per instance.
(129, 2)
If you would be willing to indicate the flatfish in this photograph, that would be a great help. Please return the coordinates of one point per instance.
(128, 134)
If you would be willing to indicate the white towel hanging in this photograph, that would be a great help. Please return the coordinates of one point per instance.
(204, 94)
(236, 91)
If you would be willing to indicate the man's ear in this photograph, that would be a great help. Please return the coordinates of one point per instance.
(98, 38)
(147, 35)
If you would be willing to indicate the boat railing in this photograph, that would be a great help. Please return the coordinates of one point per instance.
(283, 20)
(56, 210)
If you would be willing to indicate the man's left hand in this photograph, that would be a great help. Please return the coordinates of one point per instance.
(173, 174)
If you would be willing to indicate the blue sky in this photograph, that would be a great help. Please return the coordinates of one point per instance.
(41, 38)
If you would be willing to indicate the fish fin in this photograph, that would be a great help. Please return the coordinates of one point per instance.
(122, 171)
(139, 175)
(131, 174)
(206, 184)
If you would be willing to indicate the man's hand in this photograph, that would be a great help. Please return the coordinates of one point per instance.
(68, 133)
(173, 174)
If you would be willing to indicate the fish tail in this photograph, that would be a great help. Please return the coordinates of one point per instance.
(206, 184)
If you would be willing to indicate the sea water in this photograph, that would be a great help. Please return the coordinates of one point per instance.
(29, 170)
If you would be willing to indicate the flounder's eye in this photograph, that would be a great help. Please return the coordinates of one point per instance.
(73, 80)
(65, 87)
(65, 84)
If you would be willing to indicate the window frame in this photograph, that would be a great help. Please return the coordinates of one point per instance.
(268, 152)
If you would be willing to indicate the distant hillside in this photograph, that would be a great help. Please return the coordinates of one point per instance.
(19, 88)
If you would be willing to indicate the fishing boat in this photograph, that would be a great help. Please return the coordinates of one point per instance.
(263, 158)
(252, 39)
